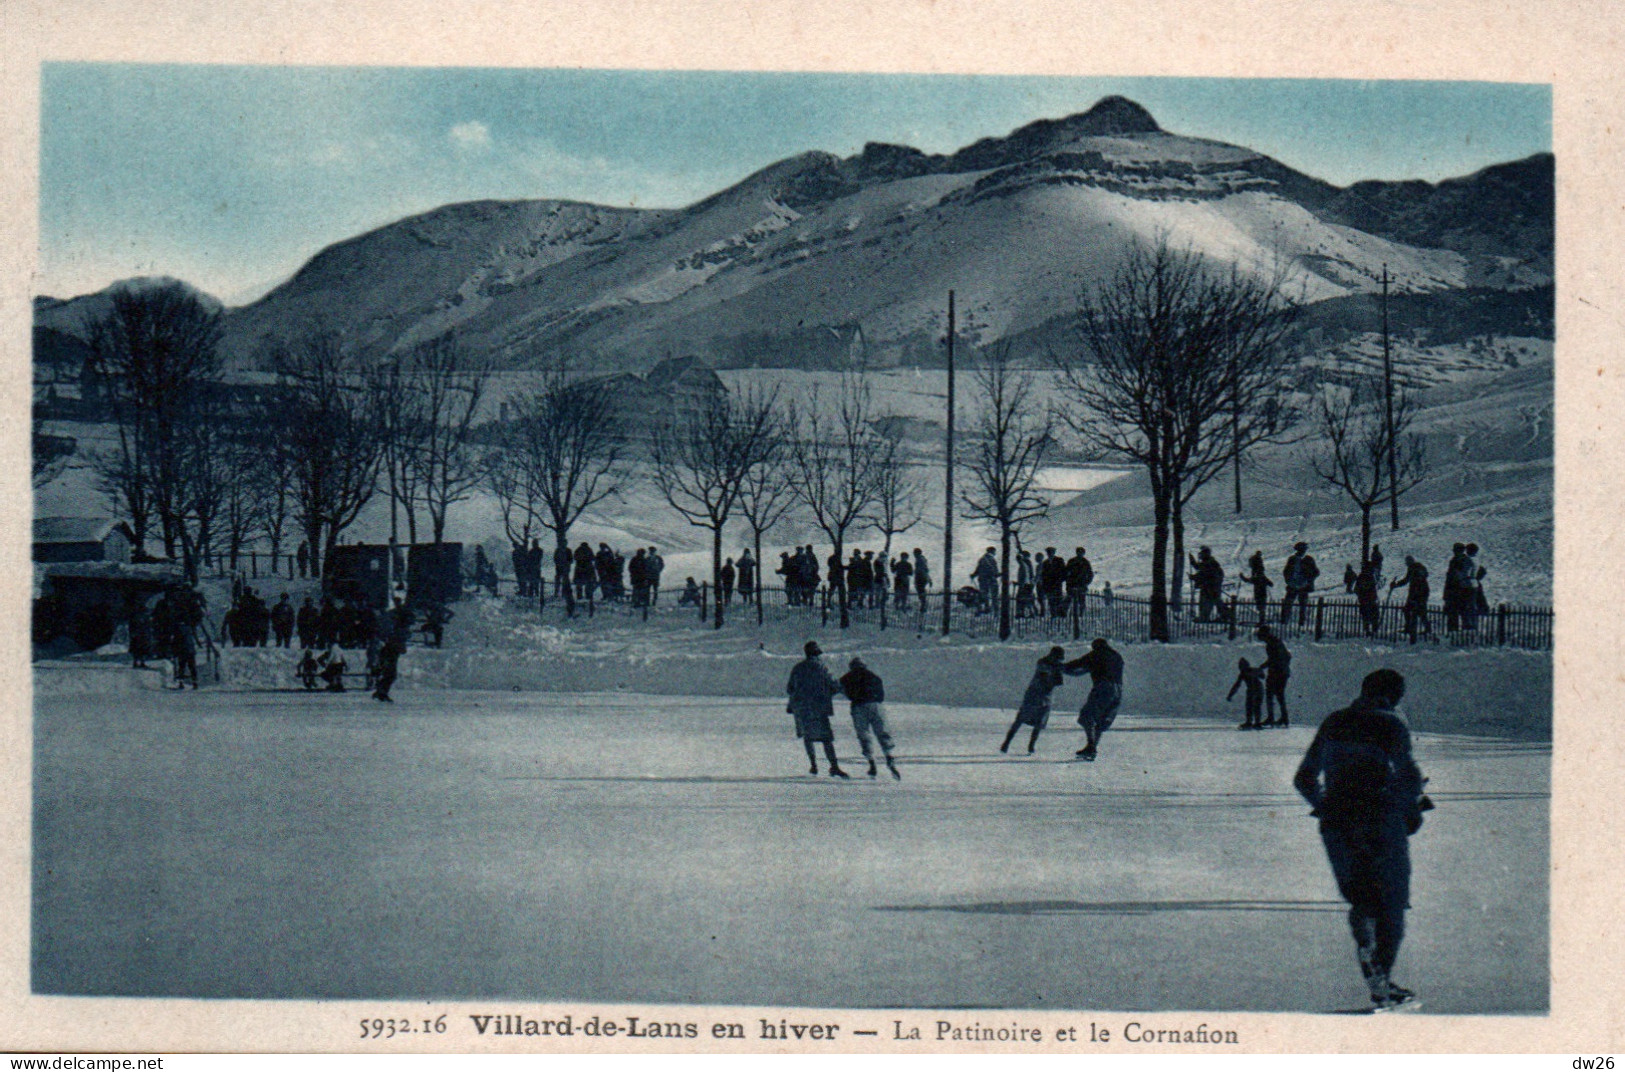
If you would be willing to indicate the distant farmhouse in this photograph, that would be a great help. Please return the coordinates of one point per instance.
(82, 539)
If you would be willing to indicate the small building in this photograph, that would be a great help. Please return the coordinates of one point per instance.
(82, 539)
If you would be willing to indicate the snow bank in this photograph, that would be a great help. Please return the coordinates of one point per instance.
(1499, 693)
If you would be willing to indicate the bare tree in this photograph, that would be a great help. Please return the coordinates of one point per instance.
(157, 350)
(1354, 448)
(332, 435)
(1009, 442)
(558, 458)
(447, 385)
(400, 419)
(703, 457)
(768, 492)
(1179, 368)
(897, 502)
(838, 461)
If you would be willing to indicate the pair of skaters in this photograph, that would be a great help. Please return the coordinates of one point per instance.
(812, 690)
(1104, 666)
(1265, 683)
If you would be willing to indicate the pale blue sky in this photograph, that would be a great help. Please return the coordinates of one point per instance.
(231, 177)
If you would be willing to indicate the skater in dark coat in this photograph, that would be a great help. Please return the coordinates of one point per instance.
(1105, 667)
(867, 692)
(1252, 677)
(398, 628)
(812, 691)
(1035, 702)
(1366, 790)
(1277, 671)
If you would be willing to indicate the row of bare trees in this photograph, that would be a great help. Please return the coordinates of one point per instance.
(210, 468)
(1180, 366)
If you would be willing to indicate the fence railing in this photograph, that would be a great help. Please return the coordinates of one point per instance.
(1119, 617)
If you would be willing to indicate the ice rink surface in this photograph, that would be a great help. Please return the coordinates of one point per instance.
(639, 849)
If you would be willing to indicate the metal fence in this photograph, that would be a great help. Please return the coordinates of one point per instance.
(1124, 618)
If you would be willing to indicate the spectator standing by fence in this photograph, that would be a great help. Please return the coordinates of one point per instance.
(922, 576)
(1299, 575)
(747, 576)
(1415, 583)
(902, 572)
(1080, 574)
(1258, 577)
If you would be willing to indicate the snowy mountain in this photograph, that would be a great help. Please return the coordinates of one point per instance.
(786, 267)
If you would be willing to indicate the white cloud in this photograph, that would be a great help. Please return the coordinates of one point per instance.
(471, 135)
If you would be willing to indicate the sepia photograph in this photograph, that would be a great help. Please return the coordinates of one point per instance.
(805, 559)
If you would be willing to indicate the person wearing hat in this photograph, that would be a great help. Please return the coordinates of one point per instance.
(1366, 790)
(1105, 667)
(1035, 703)
(812, 691)
(867, 692)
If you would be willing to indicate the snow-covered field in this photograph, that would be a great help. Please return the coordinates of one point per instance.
(569, 825)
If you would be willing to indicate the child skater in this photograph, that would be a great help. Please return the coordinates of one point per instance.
(1253, 677)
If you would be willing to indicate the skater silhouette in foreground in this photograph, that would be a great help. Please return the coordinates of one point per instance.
(1366, 790)
(812, 692)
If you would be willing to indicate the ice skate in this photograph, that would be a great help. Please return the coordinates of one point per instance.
(836, 772)
(872, 770)
(891, 766)
(1398, 999)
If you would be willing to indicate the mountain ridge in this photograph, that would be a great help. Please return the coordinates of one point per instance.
(817, 245)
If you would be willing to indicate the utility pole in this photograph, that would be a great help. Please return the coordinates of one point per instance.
(1388, 402)
(948, 496)
(1235, 426)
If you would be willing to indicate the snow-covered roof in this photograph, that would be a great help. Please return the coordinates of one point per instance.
(73, 529)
